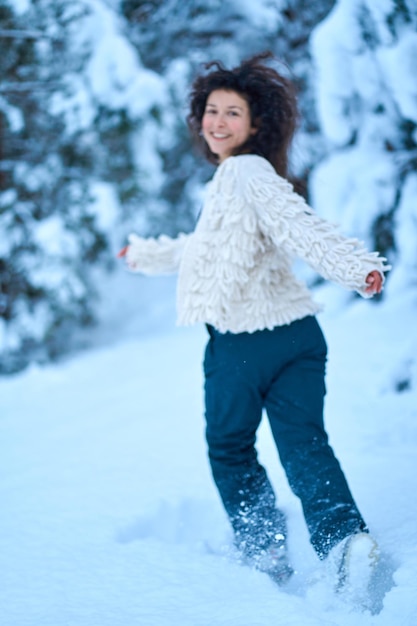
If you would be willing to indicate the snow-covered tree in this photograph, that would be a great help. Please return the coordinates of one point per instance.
(71, 105)
(47, 231)
(365, 54)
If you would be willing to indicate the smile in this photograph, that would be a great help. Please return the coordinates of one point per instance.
(219, 136)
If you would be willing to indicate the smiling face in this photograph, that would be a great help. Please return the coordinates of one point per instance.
(226, 122)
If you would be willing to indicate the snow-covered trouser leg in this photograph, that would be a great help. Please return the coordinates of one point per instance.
(283, 371)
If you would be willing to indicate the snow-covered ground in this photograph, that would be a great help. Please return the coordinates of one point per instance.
(107, 505)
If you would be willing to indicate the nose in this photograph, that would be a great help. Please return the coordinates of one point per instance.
(220, 121)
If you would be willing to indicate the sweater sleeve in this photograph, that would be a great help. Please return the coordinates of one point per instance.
(289, 222)
(155, 256)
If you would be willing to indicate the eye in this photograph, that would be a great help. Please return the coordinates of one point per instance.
(210, 112)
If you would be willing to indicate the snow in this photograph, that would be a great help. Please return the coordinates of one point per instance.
(105, 206)
(406, 227)
(20, 6)
(333, 42)
(362, 182)
(347, 69)
(13, 115)
(402, 84)
(114, 76)
(54, 238)
(264, 15)
(109, 512)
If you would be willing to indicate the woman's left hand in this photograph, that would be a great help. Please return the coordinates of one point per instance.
(374, 280)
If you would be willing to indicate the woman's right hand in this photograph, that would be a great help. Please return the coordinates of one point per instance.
(126, 254)
(122, 252)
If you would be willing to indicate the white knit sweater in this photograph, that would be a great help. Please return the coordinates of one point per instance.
(235, 268)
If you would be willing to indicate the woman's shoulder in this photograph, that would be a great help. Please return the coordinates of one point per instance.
(244, 168)
(249, 171)
(247, 163)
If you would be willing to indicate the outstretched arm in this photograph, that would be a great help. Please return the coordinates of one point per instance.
(289, 222)
(154, 256)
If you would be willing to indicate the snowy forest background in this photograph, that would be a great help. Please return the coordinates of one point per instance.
(93, 141)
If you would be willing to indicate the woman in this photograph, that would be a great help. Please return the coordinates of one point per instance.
(265, 349)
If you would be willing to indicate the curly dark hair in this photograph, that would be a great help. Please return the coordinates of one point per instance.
(272, 102)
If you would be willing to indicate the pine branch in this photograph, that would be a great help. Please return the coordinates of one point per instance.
(27, 86)
(23, 34)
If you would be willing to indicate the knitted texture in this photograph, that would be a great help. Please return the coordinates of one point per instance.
(235, 268)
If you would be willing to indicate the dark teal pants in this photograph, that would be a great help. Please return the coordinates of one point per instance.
(282, 371)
